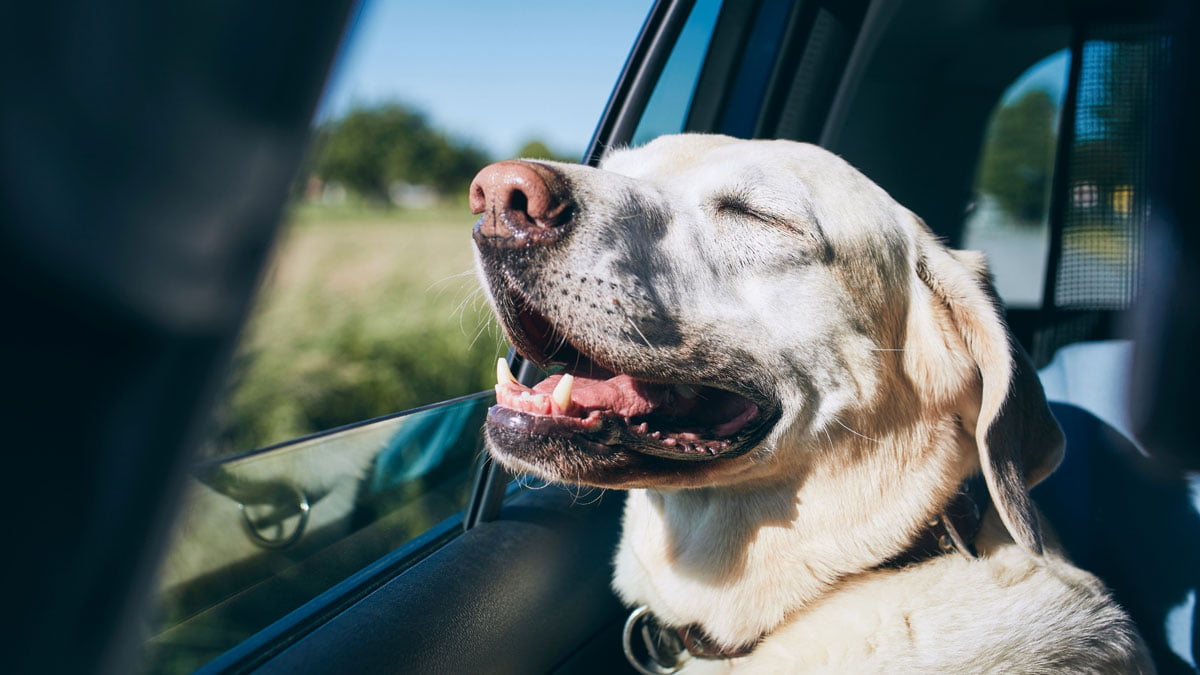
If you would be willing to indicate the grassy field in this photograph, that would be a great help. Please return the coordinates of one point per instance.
(362, 313)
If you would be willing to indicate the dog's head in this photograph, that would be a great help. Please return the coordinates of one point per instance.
(723, 310)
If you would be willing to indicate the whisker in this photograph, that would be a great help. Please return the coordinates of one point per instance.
(479, 333)
(460, 309)
(874, 440)
(599, 492)
(635, 326)
(456, 275)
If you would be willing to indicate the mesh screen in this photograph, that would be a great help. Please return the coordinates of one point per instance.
(1101, 217)
(1106, 206)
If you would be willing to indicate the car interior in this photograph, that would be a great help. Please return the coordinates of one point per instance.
(139, 215)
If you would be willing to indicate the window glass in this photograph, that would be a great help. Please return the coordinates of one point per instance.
(370, 306)
(264, 532)
(667, 110)
(1009, 218)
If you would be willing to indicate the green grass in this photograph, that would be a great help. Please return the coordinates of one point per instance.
(363, 312)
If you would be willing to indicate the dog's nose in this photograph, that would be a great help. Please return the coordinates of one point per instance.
(522, 204)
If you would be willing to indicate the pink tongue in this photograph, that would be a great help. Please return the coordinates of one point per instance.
(621, 395)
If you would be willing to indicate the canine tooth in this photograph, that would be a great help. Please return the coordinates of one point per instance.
(562, 392)
(503, 372)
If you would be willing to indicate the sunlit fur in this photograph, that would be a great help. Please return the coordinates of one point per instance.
(895, 379)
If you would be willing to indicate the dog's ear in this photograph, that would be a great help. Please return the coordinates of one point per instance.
(1018, 439)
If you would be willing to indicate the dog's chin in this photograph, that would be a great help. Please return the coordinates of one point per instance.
(581, 461)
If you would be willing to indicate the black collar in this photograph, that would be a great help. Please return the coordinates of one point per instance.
(953, 529)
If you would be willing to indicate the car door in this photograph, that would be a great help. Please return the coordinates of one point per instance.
(113, 374)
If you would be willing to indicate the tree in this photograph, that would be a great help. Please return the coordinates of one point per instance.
(369, 149)
(536, 149)
(1018, 156)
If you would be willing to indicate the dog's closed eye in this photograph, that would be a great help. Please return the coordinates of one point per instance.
(733, 204)
(737, 205)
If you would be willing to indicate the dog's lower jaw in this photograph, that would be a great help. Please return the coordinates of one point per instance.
(739, 561)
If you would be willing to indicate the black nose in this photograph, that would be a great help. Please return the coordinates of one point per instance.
(522, 204)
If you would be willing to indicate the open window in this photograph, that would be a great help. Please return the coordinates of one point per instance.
(145, 166)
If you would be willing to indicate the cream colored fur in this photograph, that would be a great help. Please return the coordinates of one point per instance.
(896, 379)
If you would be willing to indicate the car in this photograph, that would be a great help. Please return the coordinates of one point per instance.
(135, 233)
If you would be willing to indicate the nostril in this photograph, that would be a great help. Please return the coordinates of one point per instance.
(517, 201)
(477, 197)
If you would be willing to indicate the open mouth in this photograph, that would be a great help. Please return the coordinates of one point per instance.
(599, 408)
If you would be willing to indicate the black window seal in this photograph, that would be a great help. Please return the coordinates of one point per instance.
(642, 69)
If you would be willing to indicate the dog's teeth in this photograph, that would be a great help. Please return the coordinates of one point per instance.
(656, 435)
(641, 428)
(562, 392)
(504, 373)
(669, 442)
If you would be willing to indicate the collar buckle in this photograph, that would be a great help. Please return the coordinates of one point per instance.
(659, 651)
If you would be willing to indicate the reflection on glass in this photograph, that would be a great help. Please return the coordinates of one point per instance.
(1009, 219)
(667, 110)
(264, 532)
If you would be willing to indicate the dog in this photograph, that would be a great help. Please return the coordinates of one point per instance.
(797, 382)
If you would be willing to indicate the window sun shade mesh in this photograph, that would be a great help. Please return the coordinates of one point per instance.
(1102, 214)
(1106, 206)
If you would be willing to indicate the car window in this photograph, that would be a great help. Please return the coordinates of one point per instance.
(264, 532)
(1008, 218)
(350, 423)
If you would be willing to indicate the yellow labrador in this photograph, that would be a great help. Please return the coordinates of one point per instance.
(795, 380)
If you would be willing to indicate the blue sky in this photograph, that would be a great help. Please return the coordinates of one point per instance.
(494, 73)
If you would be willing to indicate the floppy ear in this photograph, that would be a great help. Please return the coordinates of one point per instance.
(1018, 439)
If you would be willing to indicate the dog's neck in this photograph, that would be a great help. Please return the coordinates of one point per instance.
(739, 560)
